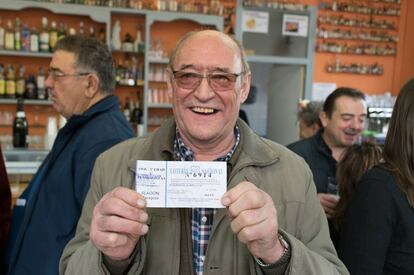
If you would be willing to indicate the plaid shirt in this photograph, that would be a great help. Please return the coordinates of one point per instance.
(201, 218)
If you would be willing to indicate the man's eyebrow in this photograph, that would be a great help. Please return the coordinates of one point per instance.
(212, 69)
(54, 69)
(351, 115)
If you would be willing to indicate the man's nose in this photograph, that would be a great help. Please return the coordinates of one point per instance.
(204, 91)
(357, 124)
(48, 81)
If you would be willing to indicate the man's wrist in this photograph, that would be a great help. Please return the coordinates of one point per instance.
(285, 256)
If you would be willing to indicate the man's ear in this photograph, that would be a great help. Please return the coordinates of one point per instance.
(245, 89)
(323, 116)
(92, 85)
(170, 83)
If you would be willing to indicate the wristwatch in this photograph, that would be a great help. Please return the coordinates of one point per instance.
(283, 259)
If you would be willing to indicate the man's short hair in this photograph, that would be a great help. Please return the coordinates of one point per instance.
(91, 55)
(329, 105)
(309, 113)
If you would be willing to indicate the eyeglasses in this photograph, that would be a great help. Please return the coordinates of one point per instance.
(56, 74)
(217, 81)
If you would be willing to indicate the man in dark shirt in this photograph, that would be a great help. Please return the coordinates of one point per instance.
(81, 82)
(343, 119)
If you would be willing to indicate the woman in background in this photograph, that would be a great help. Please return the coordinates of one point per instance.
(377, 236)
(355, 161)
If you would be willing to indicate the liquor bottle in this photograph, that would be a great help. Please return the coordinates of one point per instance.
(34, 40)
(2, 33)
(17, 36)
(92, 33)
(127, 109)
(11, 82)
(44, 36)
(81, 28)
(31, 88)
(136, 115)
(116, 36)
(20, 127)
(62, 31)
(20, 83)
(53, 35)
(9, 36)
(25, 38)
(2, 82)
(138, 40)
(40, 83)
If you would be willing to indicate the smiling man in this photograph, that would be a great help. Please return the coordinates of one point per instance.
(81, 83)
(343, 119)
(273, 222)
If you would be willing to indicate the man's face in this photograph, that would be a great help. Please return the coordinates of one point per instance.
(66, 88)
(344, 127)
(203, 114)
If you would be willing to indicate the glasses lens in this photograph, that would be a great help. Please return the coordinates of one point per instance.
(222, 82)
(187, 80)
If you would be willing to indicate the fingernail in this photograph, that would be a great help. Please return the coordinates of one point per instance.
(144, 217)
(141, 203)
(144, 229)
(225, 201)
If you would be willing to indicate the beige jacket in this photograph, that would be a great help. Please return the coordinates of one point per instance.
(275, 169)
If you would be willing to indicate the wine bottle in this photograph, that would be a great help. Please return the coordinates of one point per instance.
(2, 33)
(20, 127)
(20, 82)
(44, 36)
(40, 83)
(2, 82)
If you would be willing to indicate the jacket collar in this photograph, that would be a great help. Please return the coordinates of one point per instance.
(101, 106)
(252, 150)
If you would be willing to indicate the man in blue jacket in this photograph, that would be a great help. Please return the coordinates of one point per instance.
(81, 84)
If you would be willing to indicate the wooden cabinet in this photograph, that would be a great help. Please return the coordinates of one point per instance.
(159, 32)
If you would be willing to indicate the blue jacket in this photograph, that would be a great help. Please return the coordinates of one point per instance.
(56, 194)
(318, 156)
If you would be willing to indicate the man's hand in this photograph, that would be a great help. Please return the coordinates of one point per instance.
(254, 219)
(328, 202)
(118, 221)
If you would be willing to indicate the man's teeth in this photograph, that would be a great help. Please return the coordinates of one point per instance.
(203, 110)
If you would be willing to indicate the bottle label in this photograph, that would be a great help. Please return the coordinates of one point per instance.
(9, 44)
(1, 37)
(34, 43)
(17, 41)
(53, 39)
(20, 87)
(10, 87)
(2, 87)
(40, 82)
(44, 42)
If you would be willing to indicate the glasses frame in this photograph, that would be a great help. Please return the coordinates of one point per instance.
(56, 74)
(208, 76)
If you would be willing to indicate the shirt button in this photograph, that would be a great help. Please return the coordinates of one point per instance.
(204, 219)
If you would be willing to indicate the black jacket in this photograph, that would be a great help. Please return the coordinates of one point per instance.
(319, 158)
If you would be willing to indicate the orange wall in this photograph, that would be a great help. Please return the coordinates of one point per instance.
(404, 69)
(369, 84)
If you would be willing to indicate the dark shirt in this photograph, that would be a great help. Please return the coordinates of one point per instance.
(377, 236)
(53, 208)
(318, 156)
